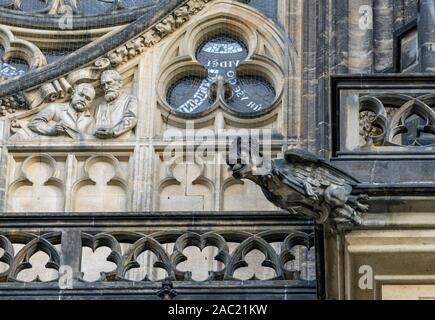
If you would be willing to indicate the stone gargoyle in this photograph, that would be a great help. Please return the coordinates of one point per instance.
(300, 183)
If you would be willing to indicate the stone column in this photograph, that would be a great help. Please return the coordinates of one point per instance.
(360, 36)
(426, 35)
(383, 34)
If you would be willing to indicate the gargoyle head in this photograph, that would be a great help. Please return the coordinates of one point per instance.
(245, 159)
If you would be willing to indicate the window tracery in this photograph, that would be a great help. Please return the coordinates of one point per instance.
(221, 55)
(223, 66)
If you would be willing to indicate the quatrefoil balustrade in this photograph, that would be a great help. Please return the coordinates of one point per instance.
(154, 257)
(6, 257)
(294, 241)
(142, 244)
(242, 257)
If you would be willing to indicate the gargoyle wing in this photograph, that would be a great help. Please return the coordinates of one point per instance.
(314, 168)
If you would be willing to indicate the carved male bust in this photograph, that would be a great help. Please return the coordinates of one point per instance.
(71, 119)
(117, 116)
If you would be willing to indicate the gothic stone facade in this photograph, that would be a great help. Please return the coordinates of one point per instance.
(118, 120)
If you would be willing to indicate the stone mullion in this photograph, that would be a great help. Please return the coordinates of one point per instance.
(71, 252)
(142, 179)
(5, 163)
(339, 37)
(142, 160)
(309, 77)
(3, 178)
(323, 118)
(217, 180)
(70, 179)
(145, 80)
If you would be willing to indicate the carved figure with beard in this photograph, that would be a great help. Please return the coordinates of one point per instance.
(117, 115)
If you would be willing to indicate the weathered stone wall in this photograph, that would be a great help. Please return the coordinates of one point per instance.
(374, 57)
(73, 169)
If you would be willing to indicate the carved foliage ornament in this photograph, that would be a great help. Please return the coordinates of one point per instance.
(300, 183)
(154, 35)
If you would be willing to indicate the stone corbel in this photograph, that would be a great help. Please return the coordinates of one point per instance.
(300, 183)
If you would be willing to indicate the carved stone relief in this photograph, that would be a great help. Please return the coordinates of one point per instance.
(115, 117)
(73, 119)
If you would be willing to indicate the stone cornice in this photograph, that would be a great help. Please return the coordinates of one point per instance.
(155, 221)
